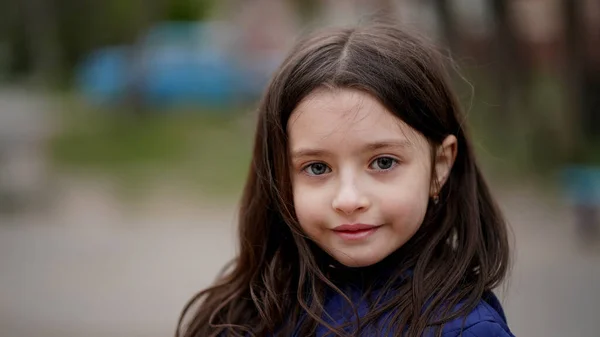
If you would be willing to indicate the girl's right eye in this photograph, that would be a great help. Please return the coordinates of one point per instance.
(316, 169)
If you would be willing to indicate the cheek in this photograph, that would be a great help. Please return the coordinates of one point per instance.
(404, 204)
(309, 207)
(406, 201)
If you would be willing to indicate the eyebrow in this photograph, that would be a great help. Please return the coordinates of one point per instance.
(389, 144)
(385, 144)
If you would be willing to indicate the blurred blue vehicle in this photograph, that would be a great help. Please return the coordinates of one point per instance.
(582, 186)
(176, 63)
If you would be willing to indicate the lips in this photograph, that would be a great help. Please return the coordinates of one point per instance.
(353, 227)
(355, 231)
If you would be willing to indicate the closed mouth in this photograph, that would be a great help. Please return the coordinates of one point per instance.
(349, 228)
(355, 232)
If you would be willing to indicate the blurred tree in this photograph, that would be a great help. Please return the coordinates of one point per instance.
(30, 33)
(50, 37)
(307, 9)
(574, 73)
(447, 24)
(511, 75)
(12, 37)
(147, 13)
(509, 61)
(582, 78)
(188, 10)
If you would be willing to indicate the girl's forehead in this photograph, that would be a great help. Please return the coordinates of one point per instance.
(346, 113)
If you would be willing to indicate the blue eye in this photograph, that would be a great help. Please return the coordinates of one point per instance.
(317, 169)
(383, 163)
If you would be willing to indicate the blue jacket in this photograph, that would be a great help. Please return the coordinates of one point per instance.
(486, 320)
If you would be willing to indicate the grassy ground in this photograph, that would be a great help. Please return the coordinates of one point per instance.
(208, 151)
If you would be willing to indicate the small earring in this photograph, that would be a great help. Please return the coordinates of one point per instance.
(436, 199)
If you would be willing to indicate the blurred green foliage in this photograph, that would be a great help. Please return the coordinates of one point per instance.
(188, 10)
(207, 151)
(65, 31)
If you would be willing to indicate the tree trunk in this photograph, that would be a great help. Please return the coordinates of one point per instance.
(135, 90)
(42, 36)
(447, 24)
(512, 74)
(574, 77)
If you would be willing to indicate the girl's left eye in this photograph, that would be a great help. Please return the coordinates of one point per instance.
(383, 163)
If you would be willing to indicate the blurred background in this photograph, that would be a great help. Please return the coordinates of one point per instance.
(126, 128)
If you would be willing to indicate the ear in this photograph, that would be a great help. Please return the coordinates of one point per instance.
(444, 159)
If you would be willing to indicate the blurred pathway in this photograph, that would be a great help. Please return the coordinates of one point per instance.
(25, 124)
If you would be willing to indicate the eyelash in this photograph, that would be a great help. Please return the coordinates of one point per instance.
(308, 166)
(395, 163)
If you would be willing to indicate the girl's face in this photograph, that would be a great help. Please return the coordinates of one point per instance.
(361, 177)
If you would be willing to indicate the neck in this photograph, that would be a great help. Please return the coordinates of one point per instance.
(380, 272)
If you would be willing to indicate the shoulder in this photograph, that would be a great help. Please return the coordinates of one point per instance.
(486, 320)
(481, 329)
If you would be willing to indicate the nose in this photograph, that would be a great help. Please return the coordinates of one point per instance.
(350, 199)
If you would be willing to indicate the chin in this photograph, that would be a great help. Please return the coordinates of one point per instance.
(357, 262)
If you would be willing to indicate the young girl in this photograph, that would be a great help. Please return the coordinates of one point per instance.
(364, 213)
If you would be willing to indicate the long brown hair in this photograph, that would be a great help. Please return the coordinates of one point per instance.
(277, 283)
